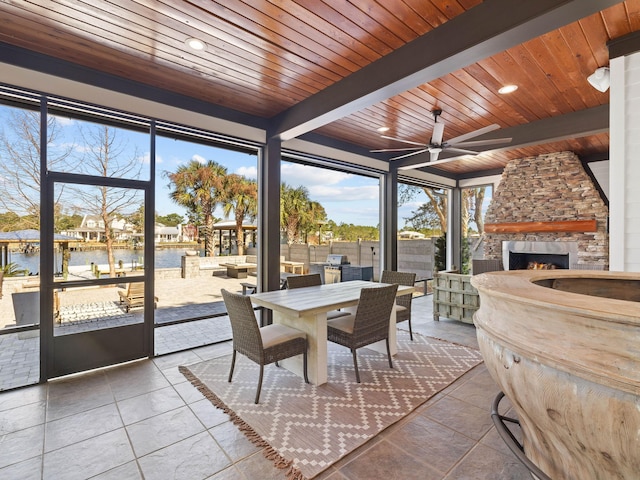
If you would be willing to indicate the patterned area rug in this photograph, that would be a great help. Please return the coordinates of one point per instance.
(306, 428)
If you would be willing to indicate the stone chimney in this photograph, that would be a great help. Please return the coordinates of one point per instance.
(549, 188)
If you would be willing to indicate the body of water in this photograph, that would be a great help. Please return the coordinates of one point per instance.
(165, 258)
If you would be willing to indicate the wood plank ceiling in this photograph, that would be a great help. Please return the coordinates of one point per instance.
(263, 58)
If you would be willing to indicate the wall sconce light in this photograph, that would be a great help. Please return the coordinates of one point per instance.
(600, 79)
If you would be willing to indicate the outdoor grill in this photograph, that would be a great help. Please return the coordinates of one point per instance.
(333, 268)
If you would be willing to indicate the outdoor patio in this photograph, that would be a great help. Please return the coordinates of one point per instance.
(84, 309)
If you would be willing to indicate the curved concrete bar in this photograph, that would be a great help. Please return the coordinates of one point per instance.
(570, 365)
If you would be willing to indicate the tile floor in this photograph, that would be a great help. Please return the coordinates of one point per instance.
(143, 420)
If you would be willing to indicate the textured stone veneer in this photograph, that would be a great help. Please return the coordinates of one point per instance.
(549, 188)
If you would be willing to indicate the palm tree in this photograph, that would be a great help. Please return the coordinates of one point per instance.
(294, 203)
(199, 187)
(241, 198)
(313, 217)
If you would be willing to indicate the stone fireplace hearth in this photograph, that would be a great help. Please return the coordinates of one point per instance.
(535, 195)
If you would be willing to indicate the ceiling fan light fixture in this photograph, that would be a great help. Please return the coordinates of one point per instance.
(507, 89)
(438, 133)
(600, 79)
(195, 44)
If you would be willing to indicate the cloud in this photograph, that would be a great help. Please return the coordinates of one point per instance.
(295, 174)
(85, 148)
(248, 172)
(357, 214)
(146, 158)
(325, 193)
(413, 205)
(64, 121)
(199, 158)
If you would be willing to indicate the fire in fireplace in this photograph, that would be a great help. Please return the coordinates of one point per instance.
(519, 255)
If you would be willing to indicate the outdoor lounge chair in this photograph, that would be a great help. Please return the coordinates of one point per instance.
(134, 296)
(263, 345)
(403, 308)
(368, 325)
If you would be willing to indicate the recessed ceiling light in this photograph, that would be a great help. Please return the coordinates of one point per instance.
(383, 129)
(195, 44)
(508, 89)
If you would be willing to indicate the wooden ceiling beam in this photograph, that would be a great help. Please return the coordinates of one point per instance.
(489, 28)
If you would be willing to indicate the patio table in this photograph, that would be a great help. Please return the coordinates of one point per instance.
(293, 267)
(306, 309)
(239, 270)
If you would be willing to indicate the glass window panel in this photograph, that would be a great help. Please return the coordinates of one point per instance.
(202, 193)
(98, 232)
(19, 169)
(92, 148)
(19, 244)
(422, 220)
(326, 211)
(475, 201)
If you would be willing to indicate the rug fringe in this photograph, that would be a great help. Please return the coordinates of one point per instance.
(293, 473)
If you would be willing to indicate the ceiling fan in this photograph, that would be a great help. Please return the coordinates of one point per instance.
(436, 145)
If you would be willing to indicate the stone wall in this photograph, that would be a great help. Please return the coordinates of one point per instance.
(547, 188)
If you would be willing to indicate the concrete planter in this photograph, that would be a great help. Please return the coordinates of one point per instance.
(26, 306)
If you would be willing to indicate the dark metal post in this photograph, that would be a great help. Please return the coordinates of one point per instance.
(46, 251)
(269, 219)
(389, 219)
(454, 233)
(149, 247)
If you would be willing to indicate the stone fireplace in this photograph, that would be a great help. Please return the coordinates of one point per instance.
(547, 205)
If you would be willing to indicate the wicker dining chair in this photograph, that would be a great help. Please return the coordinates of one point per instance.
(368, 325)
(403, 302)
(301, 281)
(263, 345)
(312, 280)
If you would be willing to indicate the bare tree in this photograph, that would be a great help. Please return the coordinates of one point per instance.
(439, 204)
(20, 153)
(106, 155)
(431, 215)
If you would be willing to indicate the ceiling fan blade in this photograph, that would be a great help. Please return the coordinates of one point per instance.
(404, 141)
(438, 132)
(410, 154)
(430, 163)
(397, 149)
(478, 143)
(475, 133)
(462, 151)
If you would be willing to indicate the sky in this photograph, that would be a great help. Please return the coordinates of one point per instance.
(346, 197)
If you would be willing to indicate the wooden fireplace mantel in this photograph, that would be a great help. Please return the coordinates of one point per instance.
(529, 227)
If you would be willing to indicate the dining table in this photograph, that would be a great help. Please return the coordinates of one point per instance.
(306, 309)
